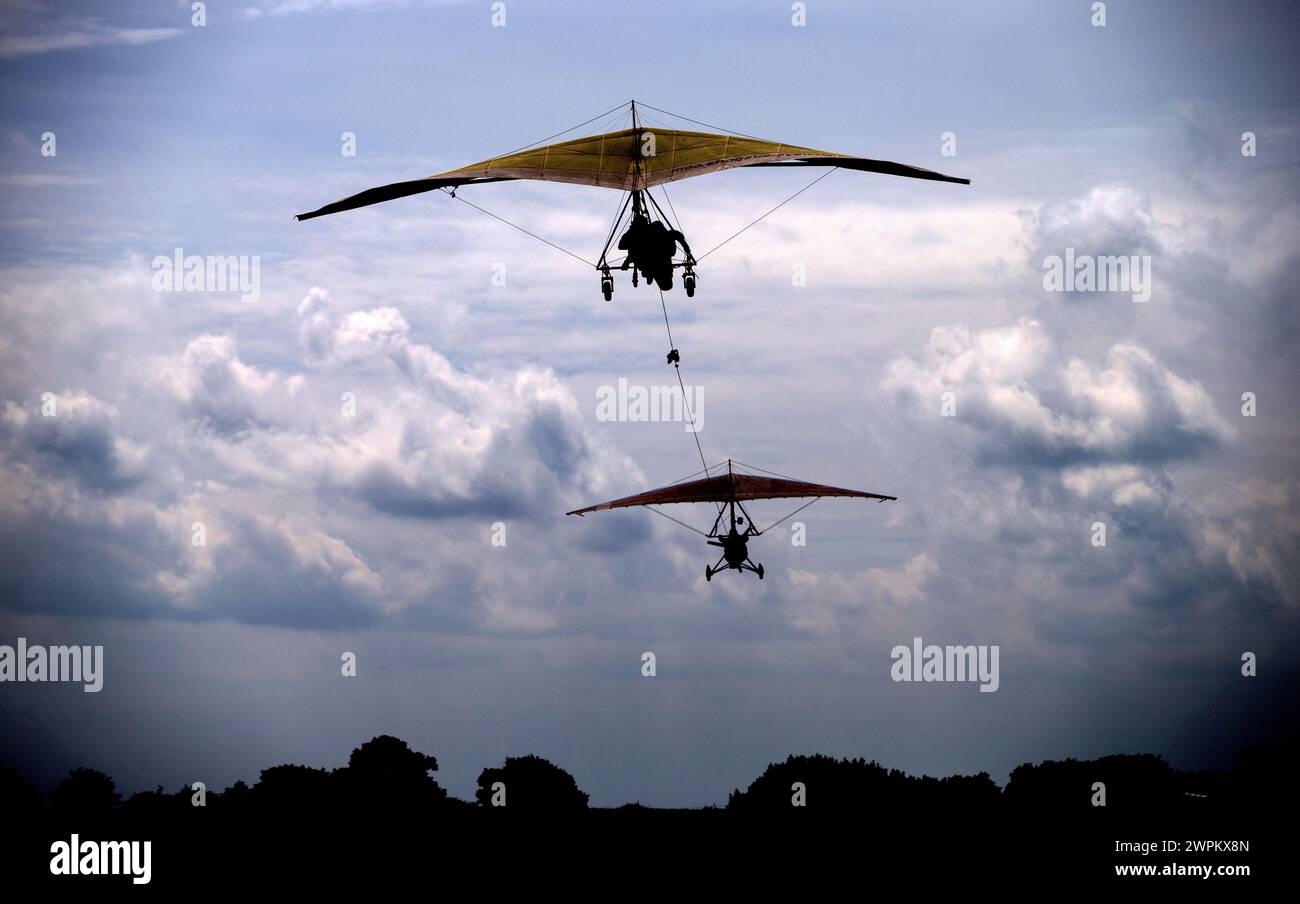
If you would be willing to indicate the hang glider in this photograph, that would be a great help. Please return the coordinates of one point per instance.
(634, 160)
(615, 160)
(730, 490)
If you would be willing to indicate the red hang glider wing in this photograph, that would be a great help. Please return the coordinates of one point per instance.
(730, 488)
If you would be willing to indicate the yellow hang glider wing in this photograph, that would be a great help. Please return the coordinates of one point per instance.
(630, 160)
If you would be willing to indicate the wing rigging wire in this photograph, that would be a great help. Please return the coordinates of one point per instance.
(676, 220)
(558, 134)
(453, 194)
(671, 518)
(791, 515)
(698, 123)
(766, 215)
(744, 467)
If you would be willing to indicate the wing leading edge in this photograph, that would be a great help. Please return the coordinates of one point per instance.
(730, 488)
(615, 160)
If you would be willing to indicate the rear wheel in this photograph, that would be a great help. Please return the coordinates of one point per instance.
(689, 282)
(607, 288)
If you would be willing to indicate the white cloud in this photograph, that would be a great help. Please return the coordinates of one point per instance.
(77, 34)
(1031, 406)
(288, 7)
(215, 385)
(46, 180)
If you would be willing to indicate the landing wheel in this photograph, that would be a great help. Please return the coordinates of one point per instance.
(634, 281)
(689, 281)
(760, 572)
(607, 287)
(708, 573)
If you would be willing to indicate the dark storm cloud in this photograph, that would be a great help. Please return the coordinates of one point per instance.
(72, 436)
(252, 492)
(57, 562)
(385, 490)
(261, 576)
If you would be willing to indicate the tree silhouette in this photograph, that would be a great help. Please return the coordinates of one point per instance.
(17, 798)
(385, 807)
(1267, 774)
(385, 775)
(1133, 782)
(235, 798)
(532, 784)
(156, 803)
(835, 785)
(85, 792)
(292, 788)
(385, 772)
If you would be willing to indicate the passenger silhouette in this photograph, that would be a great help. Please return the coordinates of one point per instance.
(650, 247)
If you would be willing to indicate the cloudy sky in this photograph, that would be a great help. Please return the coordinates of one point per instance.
(475, 403)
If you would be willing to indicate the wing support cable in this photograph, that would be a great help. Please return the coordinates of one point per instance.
(682, 523)
(769, 213)
(494, 216)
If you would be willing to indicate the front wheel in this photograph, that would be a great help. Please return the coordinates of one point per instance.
(607, 288)
(689, 282)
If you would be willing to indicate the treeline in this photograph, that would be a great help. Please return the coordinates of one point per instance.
(385, 774)
(1135, 783)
